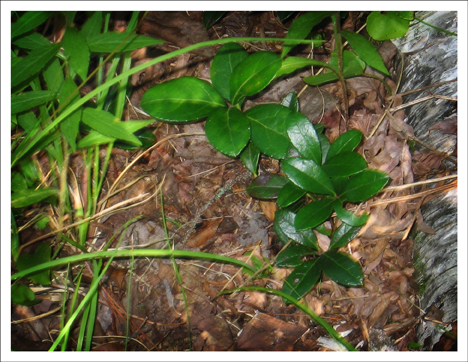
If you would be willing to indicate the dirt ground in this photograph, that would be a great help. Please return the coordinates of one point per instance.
(380, 315)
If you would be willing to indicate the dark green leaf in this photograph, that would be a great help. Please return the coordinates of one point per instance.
(226, 59)
(290, 100)
(211, 17)
(304, 137)
(292, 256)
(302, 279)
(228, 129)
(284, 220)
(349, 217)
(23, 295)
(385, 26)
(343, 235)
(289, 194)
(32, 41)
(15, 242)
(339, 183)
(364, 185)
(269, 124)
(249, 157)
(93, 25)
(302, 26)
(308, 175)
(341, 268)
(107, 124)
(344, 164)
(183, 99)
(291, 64)
(53, 76)
(253, 74)
(324, 146)
(32, 64)
(70, 126)
(28, 197)
(346, 142)
(28, 22)
(41, 255)
(313, 214)
(365, 50)
(28, 100)
(284, 15)
(120, 42)
(266, 186)
(77, 52)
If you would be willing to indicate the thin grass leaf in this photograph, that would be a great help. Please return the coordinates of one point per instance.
(120, 42)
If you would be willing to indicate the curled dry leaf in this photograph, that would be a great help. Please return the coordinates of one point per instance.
(204, 234)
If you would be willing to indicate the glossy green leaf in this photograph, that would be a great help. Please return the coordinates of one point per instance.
(95, 138)
(343, 235)
(77, 52)
(269, 124)
(23, 198)
(308, 175)
(28, 21)
(183, 99)
(293, 255)
(284, 220)
(344, 164)
(304, 137)
(53, 76)
(32, 64)
(365, 50)
(324, 146)
(313, 214)
(302, 279)
(107, 124)
(386, 25)
(70, 126)
(291, 64)
(349, 217)
(289, 194)
(119, 42)
(290, 100)
(302, 26)
(41, 255)
(253, 74)
(93, 26)
(341, 268)
(23, 295)
(32, 41)
(250, 157)
(228, 129)
(339, 183)
(211, 17)
(346, 142)
(266, 186)
(226, 60)
(28, 100)
(364, 185)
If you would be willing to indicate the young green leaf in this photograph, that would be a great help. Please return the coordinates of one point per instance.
(284, 220)
(28, 100)
(341, 268)
(253, 74)
(226, 60)
(23, 198)
(269, 124)
(32, 41)
(343, 235)
(289, 194)
(344, 164)
(302, 279)
(346, 142)
(304, 137)
(308, 175)
(386, 25)
(119, 42)
(365, 50)
(302, 26)
(313, 214)
(106, 123)
(41, 255)
(93, 25)
(32, 64)
(183, 99)
(28, 21)
(266, 186)
(291, 64)
(292, 256)
(249, 157)
(349, 217)
(228, 129)
(23, 295)
(77, 52)
(290, 100)
(364, 185)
